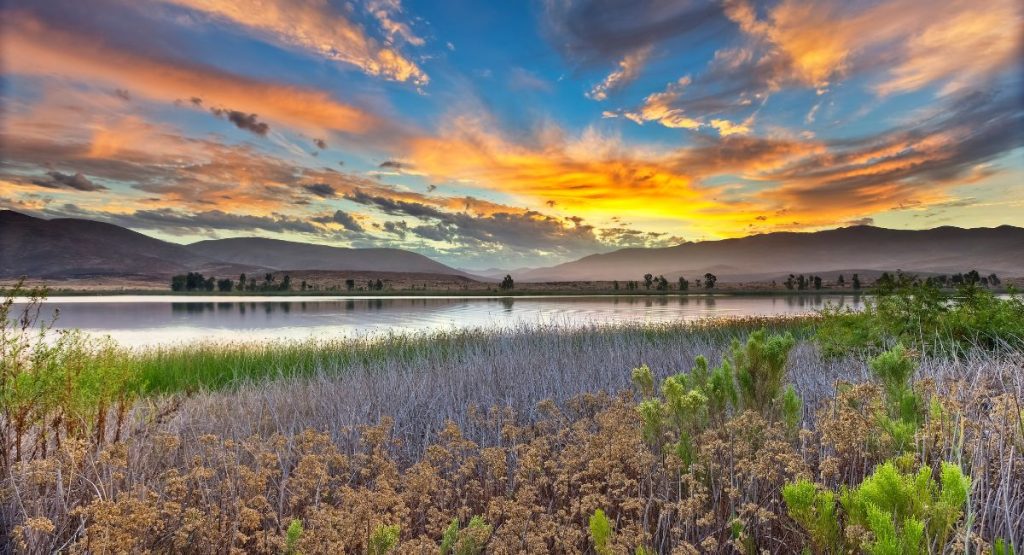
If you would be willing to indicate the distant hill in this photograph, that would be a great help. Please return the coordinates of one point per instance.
(287, 255)
(66, 248)
(765, 257)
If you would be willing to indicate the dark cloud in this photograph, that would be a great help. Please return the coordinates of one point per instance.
(323, 190)
(602, 31)
(177, 221)
(393, 165)
(78, 182)
(123, 94)
(320, 143)
(966, 130)
(397, 228)
(248, 122)
(345, 220)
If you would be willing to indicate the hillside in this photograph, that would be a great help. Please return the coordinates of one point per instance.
(69, 248)
(939, 250)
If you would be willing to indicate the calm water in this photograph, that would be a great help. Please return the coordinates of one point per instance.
(150, 320)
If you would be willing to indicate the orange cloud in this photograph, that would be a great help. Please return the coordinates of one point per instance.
(628, 70)
(316, 26)
(31, 47)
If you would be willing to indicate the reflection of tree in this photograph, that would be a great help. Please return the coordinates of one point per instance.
(506, 303)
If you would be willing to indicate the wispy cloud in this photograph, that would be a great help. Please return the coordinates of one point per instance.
(318, 27)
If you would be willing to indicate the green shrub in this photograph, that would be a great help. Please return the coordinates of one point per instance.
(469, 541)
(903, 512)
(383, 540)
(601, 532)
(760, 367)
(920, 315)
(292, 537)
(690, 402)
(61, 382)
(894, 370)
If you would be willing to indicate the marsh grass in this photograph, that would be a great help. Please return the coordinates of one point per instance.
(215, 366)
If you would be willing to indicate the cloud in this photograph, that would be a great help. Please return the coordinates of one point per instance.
(628, 70)
(242, 120)
(78, 182)
(346, 220)
(320, 143)
(33, 47)
(317, 27)
(799, 45)
(598, 31)
(323, 190)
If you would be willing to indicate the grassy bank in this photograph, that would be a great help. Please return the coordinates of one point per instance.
(707, 437)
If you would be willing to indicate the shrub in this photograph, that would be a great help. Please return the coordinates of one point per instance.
(601, 532)
(383, 540)
(901, 513)
(920, 315)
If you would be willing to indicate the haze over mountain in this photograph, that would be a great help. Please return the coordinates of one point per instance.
(288, 255)
(758, 257)
(67, 247)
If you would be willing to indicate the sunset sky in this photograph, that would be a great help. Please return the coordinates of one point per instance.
(512, 133)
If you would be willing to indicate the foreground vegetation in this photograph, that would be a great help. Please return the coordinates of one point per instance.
(716, 437)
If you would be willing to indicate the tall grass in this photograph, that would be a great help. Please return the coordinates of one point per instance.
(214, 366)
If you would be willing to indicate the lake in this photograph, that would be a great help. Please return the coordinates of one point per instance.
(164, 319)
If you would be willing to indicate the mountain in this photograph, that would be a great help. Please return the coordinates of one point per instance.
(65, 248)
(767, 256)
(287, 255)
(73, 248)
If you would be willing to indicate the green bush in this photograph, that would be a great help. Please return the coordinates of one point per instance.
(470, 540)
(383, 540)
(601, 532)
(60, 382)
(922, 316)
(903, 513)
(749, 378)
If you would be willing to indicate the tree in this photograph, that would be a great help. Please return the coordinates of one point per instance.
(801, 282)
(379, 285)
(507, 283)
(994, 280)
(178, 283)
(648, 280)
(841, 281)
(683, 284)
(817, 282)
(303, 285)
(241, 282)
(662, 283)
(790, 281)
(225, 285)
(286, 283)
(856, 281)
(209, 283)
(709, 280)
(615, 285)
(350, 284)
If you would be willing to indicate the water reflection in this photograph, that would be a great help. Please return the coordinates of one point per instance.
(140, 320)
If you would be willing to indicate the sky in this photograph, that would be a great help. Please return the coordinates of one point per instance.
(517, 133)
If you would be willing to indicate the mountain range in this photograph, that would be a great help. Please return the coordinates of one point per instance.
(764, 257)
(75, 248)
